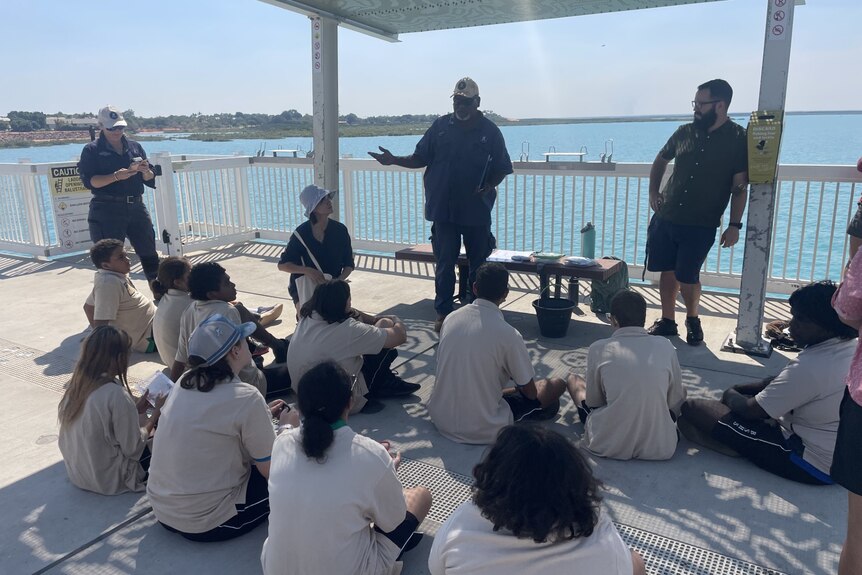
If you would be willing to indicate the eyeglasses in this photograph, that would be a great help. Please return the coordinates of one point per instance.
(695, 105)
(116, 129)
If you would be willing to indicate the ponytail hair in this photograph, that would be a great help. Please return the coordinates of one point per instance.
(323, 396)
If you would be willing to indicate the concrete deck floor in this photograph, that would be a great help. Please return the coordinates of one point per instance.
(699, 498)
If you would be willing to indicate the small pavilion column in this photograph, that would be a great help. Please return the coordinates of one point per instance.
(324, 71)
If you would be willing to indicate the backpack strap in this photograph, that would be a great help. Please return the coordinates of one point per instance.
(308, 251)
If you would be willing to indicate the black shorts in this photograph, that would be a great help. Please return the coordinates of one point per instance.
(765, 446)
(847, 460)
(855, 227)
(584, 411)
(678, 248)
(521, 406)
(401, 534)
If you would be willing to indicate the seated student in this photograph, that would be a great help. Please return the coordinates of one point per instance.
(114, 299)
(529, 517)
(173, 282)
(479, 357)
(630, 400)
(804, 398)
(337, 505)
(212, 291)
(101, 439)
(364, 347)
(211, 454)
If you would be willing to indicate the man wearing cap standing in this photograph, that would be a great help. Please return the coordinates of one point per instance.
(465, 159)
(116, 170)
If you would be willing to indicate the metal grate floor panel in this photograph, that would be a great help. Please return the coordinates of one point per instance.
(663, 556)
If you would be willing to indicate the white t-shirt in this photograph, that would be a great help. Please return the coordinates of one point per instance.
(315, 341)
(806, 397)
(194, 315)
(166, 323)
(466, 544)
(633, 383)
(321, 514)
(116, 300)
(203, 452)
(479, 355)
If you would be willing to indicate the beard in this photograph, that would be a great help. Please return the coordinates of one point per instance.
(462, 115)
(706, 120)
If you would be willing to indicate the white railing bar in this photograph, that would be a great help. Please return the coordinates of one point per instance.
(817, 231)
(789, 227)
(802, 227)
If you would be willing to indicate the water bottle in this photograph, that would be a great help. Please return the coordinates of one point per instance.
(588, 241)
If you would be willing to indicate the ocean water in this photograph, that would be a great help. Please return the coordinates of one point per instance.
(808, 139)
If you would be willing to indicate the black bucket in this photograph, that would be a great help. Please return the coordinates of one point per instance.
(554, 314)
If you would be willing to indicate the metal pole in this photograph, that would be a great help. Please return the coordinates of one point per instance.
(324, 66)
(761, 204)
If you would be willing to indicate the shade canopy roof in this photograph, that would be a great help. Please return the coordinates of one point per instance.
(388, 18)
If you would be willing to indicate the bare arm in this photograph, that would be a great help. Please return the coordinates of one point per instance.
(529, 390)
(177, 370)
(656, 173)
(743, 405)
(89, 310)
(738, 198)
(386, 158)
(292, 268)
(396, 332)
(263, 467)
(345, 272)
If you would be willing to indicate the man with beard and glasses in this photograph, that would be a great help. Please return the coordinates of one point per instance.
(466, 159)
(710, 169)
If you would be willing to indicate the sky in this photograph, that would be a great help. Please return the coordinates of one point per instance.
(206, 56)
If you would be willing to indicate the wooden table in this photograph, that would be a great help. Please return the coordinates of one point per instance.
(545, 269)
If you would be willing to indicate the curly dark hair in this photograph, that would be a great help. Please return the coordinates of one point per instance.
(102, 250)
(204, 278)
(813, 302)
(535, 483)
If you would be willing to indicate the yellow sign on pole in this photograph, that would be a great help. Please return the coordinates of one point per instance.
(764, 139)
(71, 204)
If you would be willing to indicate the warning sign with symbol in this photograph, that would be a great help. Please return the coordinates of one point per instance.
(778, 26)
(71, 202)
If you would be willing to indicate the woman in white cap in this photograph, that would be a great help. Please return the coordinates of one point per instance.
(209, 481)
(318, 248)
(338, 506)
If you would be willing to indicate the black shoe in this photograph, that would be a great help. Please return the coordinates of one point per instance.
(694, 332)
(372, 406)
(280, 351)
(393, 386)
(665, 327)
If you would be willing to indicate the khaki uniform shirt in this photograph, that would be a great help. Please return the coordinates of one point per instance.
(116, 300)
(166, 323)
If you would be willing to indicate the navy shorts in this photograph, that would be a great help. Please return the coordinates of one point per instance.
(522, 406)
(678, 248)
(847, 459)
(765, 446)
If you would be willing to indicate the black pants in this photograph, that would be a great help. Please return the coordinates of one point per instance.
(378, 367)
(248, 516)
(119, 220)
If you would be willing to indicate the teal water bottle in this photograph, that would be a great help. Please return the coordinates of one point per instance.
(588, 241)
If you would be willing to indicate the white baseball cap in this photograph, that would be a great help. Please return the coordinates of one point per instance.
(216, 336)
(466, 87)
(111, 117)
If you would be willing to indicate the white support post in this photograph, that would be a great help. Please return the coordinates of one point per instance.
(761, 203)
(166, 207)
(324, 72)
(33, 207)
(243, 199)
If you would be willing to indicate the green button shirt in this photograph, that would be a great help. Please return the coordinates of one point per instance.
(699, 189)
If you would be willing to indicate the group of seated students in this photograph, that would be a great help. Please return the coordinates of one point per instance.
(218, 465)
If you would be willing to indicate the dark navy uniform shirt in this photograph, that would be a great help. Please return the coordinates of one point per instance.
(456, 154)
(334, 254)
(99, 159)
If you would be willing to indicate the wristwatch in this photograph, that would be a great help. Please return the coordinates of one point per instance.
(737, 225)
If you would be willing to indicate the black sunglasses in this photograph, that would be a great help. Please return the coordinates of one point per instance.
(463, 100)
(116, 129)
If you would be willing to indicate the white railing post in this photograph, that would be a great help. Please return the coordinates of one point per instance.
(243, 200)
(761, 204)
(166, 207)
(33, 208)
(347, 199)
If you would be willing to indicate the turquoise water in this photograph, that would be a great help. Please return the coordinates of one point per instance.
(808, 139)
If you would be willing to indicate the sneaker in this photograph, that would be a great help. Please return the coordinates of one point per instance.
(393, 386)
(372, 406)
(663, 326)
(438, 323)
(694, 333)
(269, 314)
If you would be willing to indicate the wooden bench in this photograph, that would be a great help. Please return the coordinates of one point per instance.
(545, 269)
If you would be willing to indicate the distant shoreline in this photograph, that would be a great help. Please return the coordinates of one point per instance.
(51, 138)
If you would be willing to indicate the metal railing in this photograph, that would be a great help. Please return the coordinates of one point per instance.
(542, 206)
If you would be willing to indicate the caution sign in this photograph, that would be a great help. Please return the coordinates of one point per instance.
(71, 202)
(764, 138)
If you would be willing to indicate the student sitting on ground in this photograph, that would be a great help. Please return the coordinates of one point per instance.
(788, 424)
(114, 299)
(329, 329)
(101, 439)
(535, 508)
(479, 360)
(173, 282)
(211, 454)
(630, 400)
(337, 505)
(212, 291)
